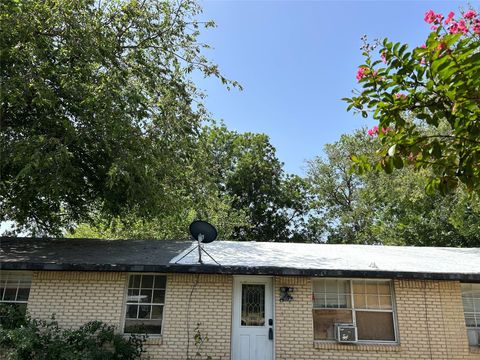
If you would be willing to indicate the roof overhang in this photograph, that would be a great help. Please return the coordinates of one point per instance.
(240, 270)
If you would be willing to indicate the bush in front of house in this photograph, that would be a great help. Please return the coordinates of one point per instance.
(23, 338)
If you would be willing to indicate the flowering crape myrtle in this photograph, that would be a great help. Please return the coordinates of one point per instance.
(426, 101)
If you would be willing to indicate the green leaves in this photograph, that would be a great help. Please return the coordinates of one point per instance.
(246, 169)
(397, 162)
(237, 183)
(376, 207)
(434, 84)
(98, 112)
(26, 338)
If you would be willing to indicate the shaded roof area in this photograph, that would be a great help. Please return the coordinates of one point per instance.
(241, 258)
(87, 254)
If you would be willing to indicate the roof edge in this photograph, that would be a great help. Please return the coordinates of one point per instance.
(241, 270)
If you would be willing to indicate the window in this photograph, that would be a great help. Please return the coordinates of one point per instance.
(471, 309)
(368, 304)
(145, 303)
(15, 289)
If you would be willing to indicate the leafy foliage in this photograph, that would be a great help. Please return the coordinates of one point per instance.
(32, 339)
(200, 339)
(434, 84)
(237, 183)
(380, 208)
(98, 112)
(246, 170)
(11, 316)
(173, 225)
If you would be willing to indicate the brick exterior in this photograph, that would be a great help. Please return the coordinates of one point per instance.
(77, 297)
(211, 306)
(429, 314)
(430, 322)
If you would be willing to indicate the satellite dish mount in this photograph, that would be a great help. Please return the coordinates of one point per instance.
(204, 233)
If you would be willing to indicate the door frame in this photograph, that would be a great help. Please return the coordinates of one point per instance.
(253, 278)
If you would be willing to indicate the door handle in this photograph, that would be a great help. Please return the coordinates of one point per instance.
(270, 334)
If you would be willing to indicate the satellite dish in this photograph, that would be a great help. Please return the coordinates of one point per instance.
(203, 231)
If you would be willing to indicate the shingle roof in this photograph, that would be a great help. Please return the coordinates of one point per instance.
(241, 258)
(87, 254)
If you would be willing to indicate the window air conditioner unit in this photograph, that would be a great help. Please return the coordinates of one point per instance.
(345, 333)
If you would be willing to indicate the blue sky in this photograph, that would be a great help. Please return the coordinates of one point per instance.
(296, 60)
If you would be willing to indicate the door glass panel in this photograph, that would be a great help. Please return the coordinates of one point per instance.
(253, 305)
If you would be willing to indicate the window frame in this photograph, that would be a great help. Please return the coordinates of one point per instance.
(3, 287)
(126, 303)
(352, 308)
(470, 328)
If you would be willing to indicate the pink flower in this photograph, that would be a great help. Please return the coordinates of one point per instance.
(384, 57)
(462, 27)
(429, 16)
(385, 130)
(434, 27)
(423, 46)
(441, 46)
(423, 61)
(453, 29)
(400, 96)
(469, 14)
(450, 16)
(361, 73)
(373, 131)
(476, 27)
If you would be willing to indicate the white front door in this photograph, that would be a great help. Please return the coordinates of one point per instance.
(252, 322)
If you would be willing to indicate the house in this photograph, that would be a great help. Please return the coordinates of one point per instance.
(256, 300)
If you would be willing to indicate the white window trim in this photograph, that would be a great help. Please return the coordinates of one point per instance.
(124, 305)
(353, 310)
(471, 328)
(4, 278)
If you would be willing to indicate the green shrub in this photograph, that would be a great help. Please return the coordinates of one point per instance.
(12, 316)
(23, 338)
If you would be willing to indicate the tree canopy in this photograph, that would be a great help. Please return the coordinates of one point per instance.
(246, 169)
(433, 83)
(381, 208)
(238, 184)
(98, 113)
(104, 134)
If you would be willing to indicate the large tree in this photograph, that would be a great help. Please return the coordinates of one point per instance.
(246, 169)
(98, 113)
(237, 183)
(435, 83)
(380, 208)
